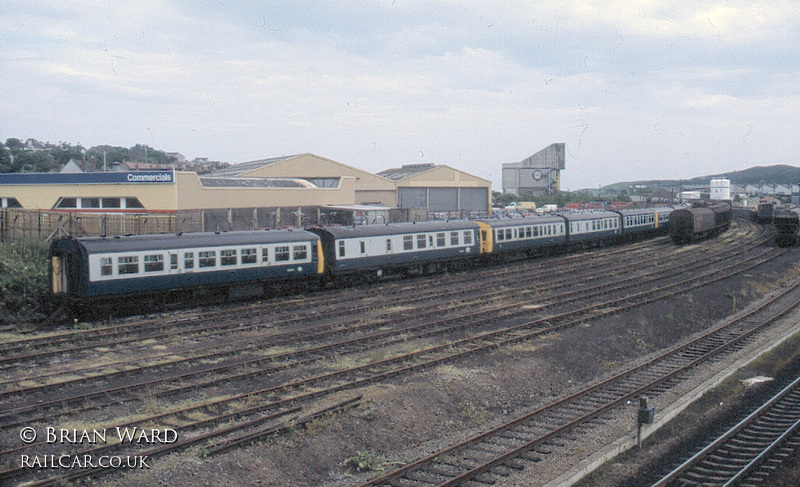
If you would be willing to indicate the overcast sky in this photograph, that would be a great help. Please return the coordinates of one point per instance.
(636, 89)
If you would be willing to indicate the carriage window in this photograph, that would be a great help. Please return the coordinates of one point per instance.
(453, 238)
(282, 253)
(467, 237)
(528, 232)
(265, 254)
(249, 256)
(188, 260)
(300, 252)
(173, 261)
(421, 241)
(153, 263)
(388, 245)
(227, 257)
(408, 242)
(501, 235)
(509, 234)
(128, 264)
(363, 246)
(341, 248)
(106, 266)
(441, 241)
(207, 258)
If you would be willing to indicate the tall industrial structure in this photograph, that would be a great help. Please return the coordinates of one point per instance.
(538, 174)
(720, 189)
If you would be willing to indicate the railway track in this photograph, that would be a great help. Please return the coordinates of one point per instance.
(251, 317)
(522, 442)
(35, 352)
(749, 453)
(274, 403)
(432, 326)
(341, 328)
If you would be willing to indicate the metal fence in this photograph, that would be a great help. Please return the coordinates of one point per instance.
(16, 223)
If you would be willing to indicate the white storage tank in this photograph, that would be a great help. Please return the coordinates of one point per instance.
(720, 189)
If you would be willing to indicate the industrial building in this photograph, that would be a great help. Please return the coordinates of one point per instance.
(369, 189)
(296, 190)
(539, 174)
(439, 189)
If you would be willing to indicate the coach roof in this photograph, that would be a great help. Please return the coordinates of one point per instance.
(521, 222)
(399, 228)
(590, 215)
(136, 243)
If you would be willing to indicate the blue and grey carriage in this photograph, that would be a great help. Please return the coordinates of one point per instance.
(96, 267)
(400, 247)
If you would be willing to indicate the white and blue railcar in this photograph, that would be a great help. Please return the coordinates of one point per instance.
(645, 221)
(96, 267)
(419, 246)
(522, 235)
(592, 227)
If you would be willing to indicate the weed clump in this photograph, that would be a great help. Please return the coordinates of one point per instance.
(23, 279)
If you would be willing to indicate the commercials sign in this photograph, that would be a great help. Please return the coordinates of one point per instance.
(136, 177)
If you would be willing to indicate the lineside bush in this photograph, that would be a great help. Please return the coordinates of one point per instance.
(23, 279)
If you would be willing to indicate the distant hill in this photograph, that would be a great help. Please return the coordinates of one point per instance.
(778, 174)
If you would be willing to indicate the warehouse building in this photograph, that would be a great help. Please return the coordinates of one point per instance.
(296, 190)
(440, 189)
(322, 172)
(539, 174)
(217, 203)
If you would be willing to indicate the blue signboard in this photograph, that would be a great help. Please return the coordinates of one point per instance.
(135, 177)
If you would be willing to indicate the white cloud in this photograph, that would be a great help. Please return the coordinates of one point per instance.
(376, 84)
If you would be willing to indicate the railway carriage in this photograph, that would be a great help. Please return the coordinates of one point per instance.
(591, 228)
(764, 211)
(688, 225)
(91, 268)
(663, 215)
(158, 269)
(398, 247)
(787, 223)
(645, 221)
(522, 235)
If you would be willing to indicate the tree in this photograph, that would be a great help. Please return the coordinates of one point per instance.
(38, 161)
(62, 157)
(5, 159)
(503, 199)
(111, 154)
(146, 153)
(13, 143)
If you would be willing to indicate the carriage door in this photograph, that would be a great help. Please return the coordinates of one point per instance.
(59, 277)
(174, 268)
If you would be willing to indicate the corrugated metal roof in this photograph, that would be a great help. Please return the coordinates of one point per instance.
(232, 182)
(243, 167)
(406, 171)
